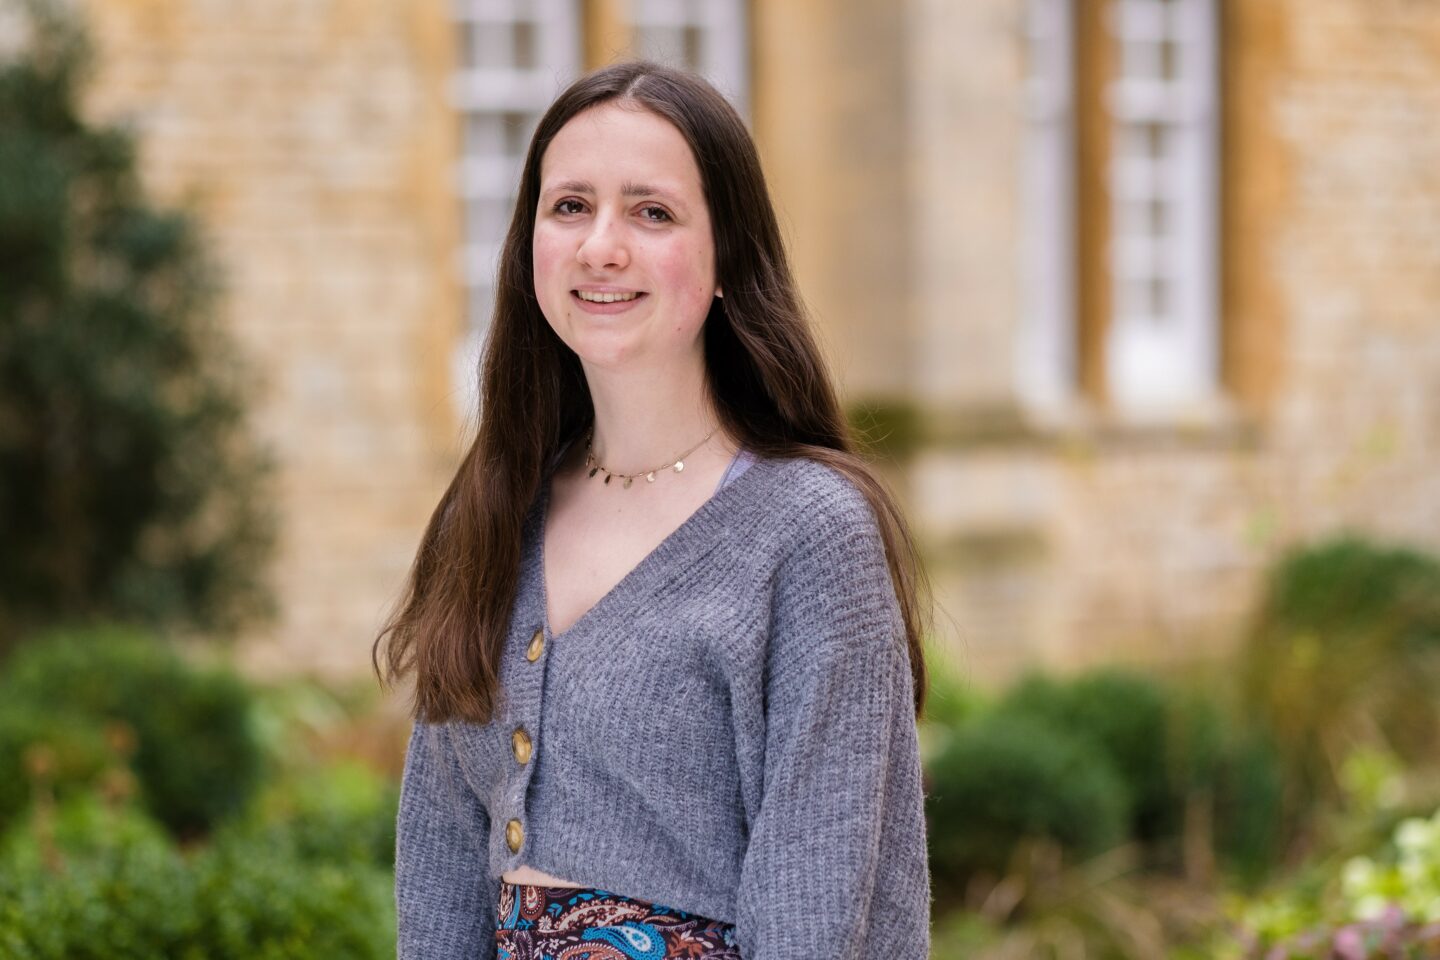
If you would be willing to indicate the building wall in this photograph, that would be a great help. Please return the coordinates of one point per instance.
(315, 143)
(963, 85)
(1101, 540)
(1343, 435)
(830, 120)
(318, 146)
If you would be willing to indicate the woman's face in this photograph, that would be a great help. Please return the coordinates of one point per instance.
(623, 255)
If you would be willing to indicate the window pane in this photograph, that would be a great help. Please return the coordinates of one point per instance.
(487, 217)
(524, 43)
(492, 46)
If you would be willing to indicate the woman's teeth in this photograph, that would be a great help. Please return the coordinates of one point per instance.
(605, 297)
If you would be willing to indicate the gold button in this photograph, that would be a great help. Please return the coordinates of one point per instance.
(520, 743)
(537, 646)
(514, 835)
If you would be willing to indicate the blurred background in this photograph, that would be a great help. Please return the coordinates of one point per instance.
(1133, 301)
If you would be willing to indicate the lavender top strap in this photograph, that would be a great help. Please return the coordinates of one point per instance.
(738, 465)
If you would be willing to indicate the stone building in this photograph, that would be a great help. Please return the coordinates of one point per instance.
(1134, 292)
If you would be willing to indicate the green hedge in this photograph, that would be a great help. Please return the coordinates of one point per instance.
(67, 753)
(1149, 755)
(184, 732)
(1123, 716)
(341, 813)
(1345, 646)
(1004, 779)
(111, 885)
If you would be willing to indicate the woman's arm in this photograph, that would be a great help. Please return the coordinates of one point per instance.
(444, 898)
(836, 862)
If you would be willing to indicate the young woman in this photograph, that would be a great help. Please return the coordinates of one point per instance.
(664, 624)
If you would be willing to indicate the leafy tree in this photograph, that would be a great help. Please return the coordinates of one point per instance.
(129, 488)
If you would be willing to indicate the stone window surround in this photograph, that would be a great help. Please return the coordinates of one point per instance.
(1160, 357)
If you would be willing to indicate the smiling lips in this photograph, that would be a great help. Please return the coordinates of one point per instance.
(590, 297)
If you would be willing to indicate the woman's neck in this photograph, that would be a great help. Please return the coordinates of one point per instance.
(644, 420)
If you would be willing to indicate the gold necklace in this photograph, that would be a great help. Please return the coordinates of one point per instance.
(678, 464)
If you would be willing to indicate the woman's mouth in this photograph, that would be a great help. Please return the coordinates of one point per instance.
(592, 301)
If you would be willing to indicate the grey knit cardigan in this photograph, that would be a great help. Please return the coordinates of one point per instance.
(729, 731)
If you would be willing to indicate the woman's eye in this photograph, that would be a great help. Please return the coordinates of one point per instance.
(569, 206)
(657, 214)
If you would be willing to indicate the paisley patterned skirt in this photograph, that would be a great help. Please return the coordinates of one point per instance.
(568, 923)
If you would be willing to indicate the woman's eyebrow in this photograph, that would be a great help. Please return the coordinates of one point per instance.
(571, 186)
(630, 189)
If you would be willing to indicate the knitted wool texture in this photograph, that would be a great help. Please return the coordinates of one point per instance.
(729, 731)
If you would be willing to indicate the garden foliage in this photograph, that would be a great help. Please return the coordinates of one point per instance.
(129, 486)
(1379, 906)
(1099, 760)
(93, 881)
(76, 703)
(140, 822)
(1002, 780)
(1150, 798)
(1345, 654)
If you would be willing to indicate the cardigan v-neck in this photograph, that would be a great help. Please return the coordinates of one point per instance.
(730, 731)
(739, 465)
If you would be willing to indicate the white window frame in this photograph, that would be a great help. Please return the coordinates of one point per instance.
(1162, 353)
(723, 48)
(500, 91)
(1046, 355)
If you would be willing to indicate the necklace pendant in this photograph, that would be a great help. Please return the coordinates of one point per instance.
(593, 471)
(607, 479)
(650, 477)
(627, 482)
(679, 465)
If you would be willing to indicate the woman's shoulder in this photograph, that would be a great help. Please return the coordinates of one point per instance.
(818, 486)
(817, 499)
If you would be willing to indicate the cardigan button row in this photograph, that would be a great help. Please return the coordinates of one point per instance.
(521, 745)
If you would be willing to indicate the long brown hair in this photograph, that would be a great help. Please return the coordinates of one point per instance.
(766, 379)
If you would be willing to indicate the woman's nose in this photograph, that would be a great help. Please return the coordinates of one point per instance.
(603, 247)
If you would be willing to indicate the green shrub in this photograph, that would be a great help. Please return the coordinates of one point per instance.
(340, 814)
(306, 873)
(1003, 779)
(130, 486)
(1232, 773)
(109, 884)
(43, 749)
(950, 703)
(1174, 751)
(951, 700)
(262, 903)
(195, 755)
(1346, 644)
(1124, 716)
(106, 885)
(1250, 828)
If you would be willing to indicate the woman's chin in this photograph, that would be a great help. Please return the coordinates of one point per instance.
(605, 352)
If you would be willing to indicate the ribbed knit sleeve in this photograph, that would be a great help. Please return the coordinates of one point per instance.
(835, 864)
(445, 901)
